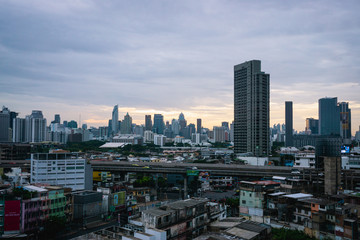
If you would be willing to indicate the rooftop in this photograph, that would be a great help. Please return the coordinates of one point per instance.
(298, 195)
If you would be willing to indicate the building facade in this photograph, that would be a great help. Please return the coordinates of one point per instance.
(289, 124)
(251, 109)
(329, 116)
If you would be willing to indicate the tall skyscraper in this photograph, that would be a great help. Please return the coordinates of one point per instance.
(158, 126)
(148, 123)
(115, 120)
(175, 127)
(4, 125)
(289, 124)
(126, 125)
(312, 125)
(35, 127)
(329, 115)
(182, 123)
(198, 125)
(19, 130)
(251, 109)
(345, 118)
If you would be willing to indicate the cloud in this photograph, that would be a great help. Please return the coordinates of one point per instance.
(74, 57)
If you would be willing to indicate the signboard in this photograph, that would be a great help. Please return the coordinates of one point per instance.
(192, 173)
(118, 199)
(12, 216)
(345, 120)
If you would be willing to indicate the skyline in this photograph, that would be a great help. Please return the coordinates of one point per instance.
(165, 58)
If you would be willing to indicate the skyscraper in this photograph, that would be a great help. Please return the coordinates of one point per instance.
(126, 124)
(148, 123)
(4, 125)
(345, 118)
(312, 125)
(289, 124)
(251, 108)
(182, 123)
(56, 118)
(115, 120)
(158, 126)
(198, 125)
(329, 116)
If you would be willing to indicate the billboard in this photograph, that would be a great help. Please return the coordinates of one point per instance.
(12, 216)
(118, 199)
(192, 173)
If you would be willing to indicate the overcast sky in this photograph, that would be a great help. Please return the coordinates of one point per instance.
(83, 57)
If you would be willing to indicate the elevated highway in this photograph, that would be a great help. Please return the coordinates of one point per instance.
(182, 168)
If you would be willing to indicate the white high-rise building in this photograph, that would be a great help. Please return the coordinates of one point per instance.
(63, 169)
(219, 134)
(148, 136)
(159, 140)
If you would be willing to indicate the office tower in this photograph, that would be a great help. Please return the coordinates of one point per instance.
(19, 130)
(115, 120)
(56, 118)
(251, 109)
(219, 134)
(198, 125)
(345, 118)
(175, 127)
(158, 126)
(148, 123)
(65, 123)
(312, 125)
(126, 125)
(72, 124)
(35, 127)
(109, 128)
(189, 130)
(329, 116)
(182, 123)
(225, 125)
(289, 124)
(4, 125)
(139, 130)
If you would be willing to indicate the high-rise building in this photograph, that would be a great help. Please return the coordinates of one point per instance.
(175, 127)
(4, 125)
(56, 118)
(72, 124)
(115, 120)
(329, 116)
(148, 123)
(312, 125)
(289, 124)
(158, 126)
(219, 134)
(182, 123)
(19, 130)
(251, 109)
(126, 125)
(345, 118)
(198, 125)
(225, 125)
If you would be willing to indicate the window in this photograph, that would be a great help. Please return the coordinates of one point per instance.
(243, 202)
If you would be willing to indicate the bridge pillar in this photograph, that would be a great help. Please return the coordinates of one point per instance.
(185, 187)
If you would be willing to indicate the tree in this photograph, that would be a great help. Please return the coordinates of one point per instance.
(282, 233)
(53, 226)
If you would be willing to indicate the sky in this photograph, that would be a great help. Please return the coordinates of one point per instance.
(80, 58)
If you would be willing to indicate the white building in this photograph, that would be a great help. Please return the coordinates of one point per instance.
(148, 136)
(219, 134)
(306, 160)
(63, 169)
(350, 162)
(159, 140)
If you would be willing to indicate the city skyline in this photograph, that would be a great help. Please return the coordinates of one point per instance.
(169, 58)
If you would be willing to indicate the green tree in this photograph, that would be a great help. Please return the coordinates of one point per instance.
(282, 233)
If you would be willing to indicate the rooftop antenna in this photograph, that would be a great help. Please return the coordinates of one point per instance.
(79, 120)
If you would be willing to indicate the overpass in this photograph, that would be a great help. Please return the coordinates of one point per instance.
(182, 168)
